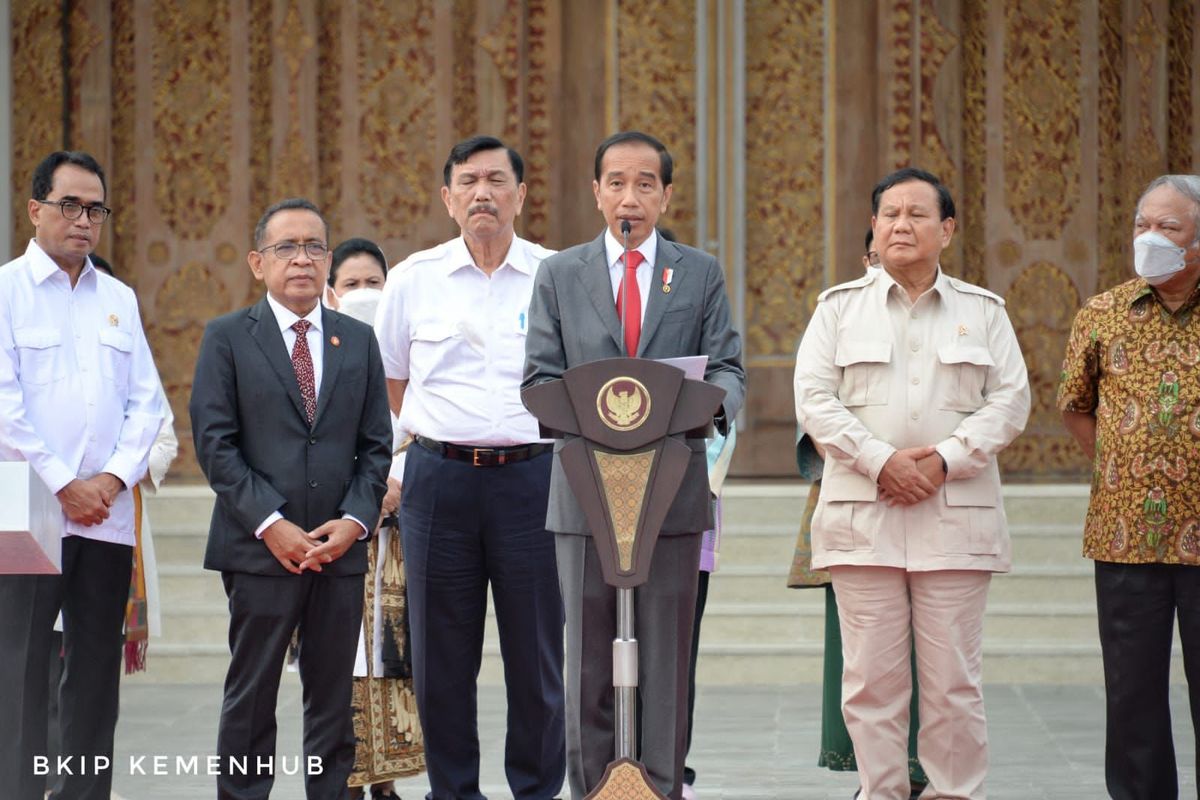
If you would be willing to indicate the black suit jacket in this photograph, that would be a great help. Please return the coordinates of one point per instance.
(254, 444)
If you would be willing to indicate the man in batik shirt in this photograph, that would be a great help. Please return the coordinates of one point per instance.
(1130, 395)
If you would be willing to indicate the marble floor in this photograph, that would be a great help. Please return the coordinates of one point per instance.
(751, 743)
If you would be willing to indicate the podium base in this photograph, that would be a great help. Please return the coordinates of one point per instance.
(21, 554)
(625, 779)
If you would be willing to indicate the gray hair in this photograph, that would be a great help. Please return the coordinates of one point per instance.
(290, 204)
(1186, 185)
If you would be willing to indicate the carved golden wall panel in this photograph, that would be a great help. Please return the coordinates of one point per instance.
(656, 66)
(36, 101)
(1042, 115)
(1182, 60)
(192, 114)
(972, 201)
(1041, 304)
(784, 206)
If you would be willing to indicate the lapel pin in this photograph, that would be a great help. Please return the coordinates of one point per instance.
(667, 275)
(962, 330)
(335, 341)
(113, 320)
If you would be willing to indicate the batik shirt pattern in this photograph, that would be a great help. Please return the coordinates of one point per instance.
(1136, 366)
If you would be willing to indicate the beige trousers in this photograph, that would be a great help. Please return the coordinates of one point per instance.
(880, 608)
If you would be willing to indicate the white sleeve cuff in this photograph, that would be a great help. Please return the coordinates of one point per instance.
(365, 533)
(266, 523)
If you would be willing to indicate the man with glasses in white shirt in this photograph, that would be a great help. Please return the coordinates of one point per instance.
(79, 402)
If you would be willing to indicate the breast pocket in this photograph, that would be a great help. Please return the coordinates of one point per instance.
(40, 355)
(433, 343)
(964, 371)
(116, 350)
(866, 371)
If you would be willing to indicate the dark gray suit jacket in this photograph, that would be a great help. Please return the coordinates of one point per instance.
(573, 320)
(254, 444)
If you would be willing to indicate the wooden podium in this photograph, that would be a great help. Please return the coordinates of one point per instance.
(624, 420)
(30, 523)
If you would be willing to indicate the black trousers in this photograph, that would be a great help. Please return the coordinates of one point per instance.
(326, 611)
(464, 528)
(1137, 605)
(91, 592)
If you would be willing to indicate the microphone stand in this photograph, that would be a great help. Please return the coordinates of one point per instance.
(625, 646)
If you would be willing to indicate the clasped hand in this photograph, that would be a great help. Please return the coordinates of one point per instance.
(297, 549)
(911, 475)
(87, 501)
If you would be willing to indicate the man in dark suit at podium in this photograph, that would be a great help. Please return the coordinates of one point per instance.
(291, 425)
(677, 307)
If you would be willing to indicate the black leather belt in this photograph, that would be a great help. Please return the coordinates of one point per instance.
(484, 456)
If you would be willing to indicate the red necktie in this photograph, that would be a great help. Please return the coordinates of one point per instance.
(633, 325)
(302, 363)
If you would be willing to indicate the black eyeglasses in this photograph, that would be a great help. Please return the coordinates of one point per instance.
(289, 250)
(72, 210)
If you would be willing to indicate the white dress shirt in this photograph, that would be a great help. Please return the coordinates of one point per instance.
(286, 320)
(457, 335)
(615, 252)
(78, 389)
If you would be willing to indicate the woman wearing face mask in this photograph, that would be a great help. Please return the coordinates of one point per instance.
(386, 728)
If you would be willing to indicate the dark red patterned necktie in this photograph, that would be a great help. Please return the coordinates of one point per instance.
(302, 363)
(633, 325)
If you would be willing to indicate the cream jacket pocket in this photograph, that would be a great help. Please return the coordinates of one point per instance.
(865, 372)
(964, 371)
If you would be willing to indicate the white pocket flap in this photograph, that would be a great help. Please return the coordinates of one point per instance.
(434, 332)
(37, 338)
(965, 354)
(981, 490)
(117, 339)
(862, 352)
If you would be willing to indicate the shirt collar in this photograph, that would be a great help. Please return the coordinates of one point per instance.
(42, 266)
(614, 250)
(1142, 290)
(287, 318)
(461, 257)
(885, 281)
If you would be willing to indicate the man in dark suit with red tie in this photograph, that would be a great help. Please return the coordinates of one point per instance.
(291, 425)
(677, 307)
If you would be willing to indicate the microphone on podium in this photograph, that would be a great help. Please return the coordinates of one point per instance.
(625, 228)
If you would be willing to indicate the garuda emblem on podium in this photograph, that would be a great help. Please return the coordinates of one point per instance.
(623, 404)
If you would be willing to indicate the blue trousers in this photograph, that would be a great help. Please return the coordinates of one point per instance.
(465, 527)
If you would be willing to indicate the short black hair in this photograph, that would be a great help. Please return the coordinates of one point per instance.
(477, 144)
(354, 247)
(666, 167)
(291, 204)
(101, 264)
(945, 201)
(43, 174)
(870, 240)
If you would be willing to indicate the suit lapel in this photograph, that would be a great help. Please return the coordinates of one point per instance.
(265, 330)
(658, 302)
(331, 360)
(597, 283)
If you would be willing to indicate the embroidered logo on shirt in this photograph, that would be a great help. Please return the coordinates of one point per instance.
(114, 320)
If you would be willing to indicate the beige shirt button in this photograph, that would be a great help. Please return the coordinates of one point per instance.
(916, 415)
(914, 346)
(915, 381)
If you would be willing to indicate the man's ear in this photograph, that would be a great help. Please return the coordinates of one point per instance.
(666, 199)
(254, 259)
(948, 226)
(446, 200)
(35, 209)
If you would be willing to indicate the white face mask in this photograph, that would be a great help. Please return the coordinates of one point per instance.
(360, 303)
(1156, 258)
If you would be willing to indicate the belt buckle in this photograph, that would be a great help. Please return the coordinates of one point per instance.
(475, 455)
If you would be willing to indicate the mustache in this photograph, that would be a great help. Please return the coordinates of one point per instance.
(485, 208)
